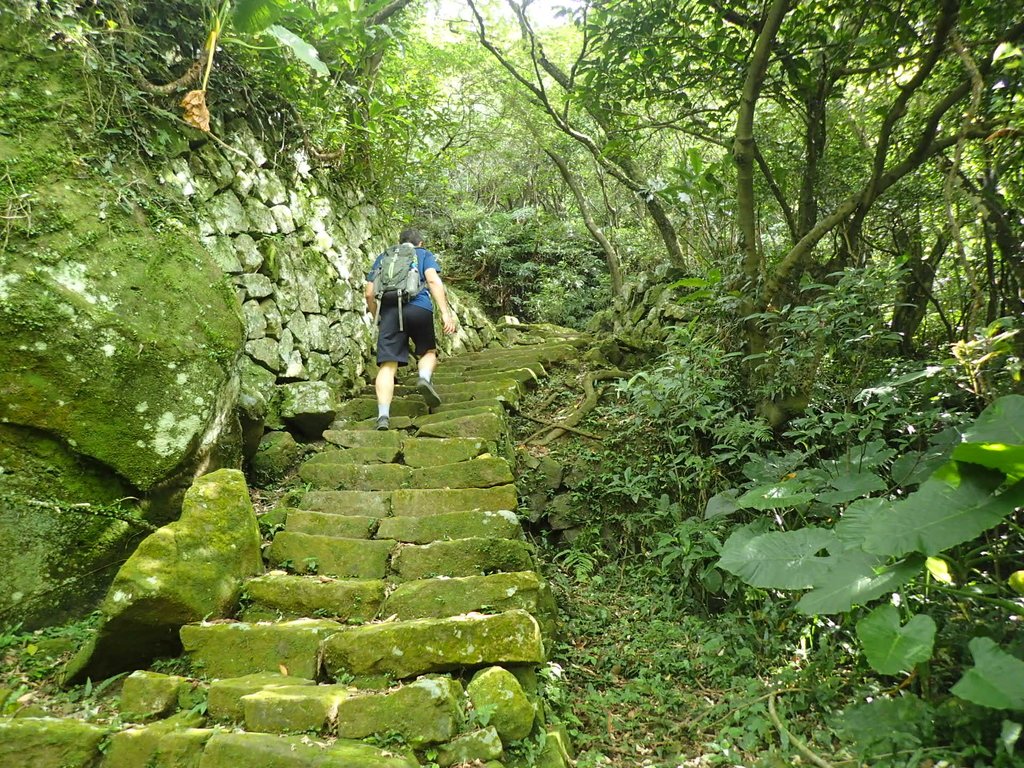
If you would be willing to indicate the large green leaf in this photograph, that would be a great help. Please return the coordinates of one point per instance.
(305, 52)
(775, 496)
(890, 648)
(854, 578)
(779, 560)
(954, 505)
(252, 16)
(851, 485)
(996, 439)
(996, 680)
(856, 520)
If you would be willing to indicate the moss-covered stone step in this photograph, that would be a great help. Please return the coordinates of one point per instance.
(457, 410)
(359, 503)
(225, 700)
(438, 598)
(355, 477)
(146, 695)
(416, 502)
(479, 473)
(461, 557)
(360, 408)
(279, 594)
(369, 423)
(384, 455)
(330, 556)
(451, 525)
(327, 524)
(405, 649)
(528, 375)
(49, 742)
(233, 750)
(356, 438)
(433, 452)
(293, 709)
(485, 426)
(234, 649)
(157, 745)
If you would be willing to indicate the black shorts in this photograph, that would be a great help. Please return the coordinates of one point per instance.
(393, 344)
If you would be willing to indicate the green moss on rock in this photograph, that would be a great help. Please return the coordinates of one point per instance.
(498, 691)
(49, 743)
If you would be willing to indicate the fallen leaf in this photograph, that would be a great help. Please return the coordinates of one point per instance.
(284, 669)
(196, 113)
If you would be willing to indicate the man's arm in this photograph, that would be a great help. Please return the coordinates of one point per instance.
(437, 293)
(371, 302)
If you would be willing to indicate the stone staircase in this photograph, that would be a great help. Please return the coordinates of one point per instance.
(402, 622)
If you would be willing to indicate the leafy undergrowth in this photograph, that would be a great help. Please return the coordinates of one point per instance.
(644, 683)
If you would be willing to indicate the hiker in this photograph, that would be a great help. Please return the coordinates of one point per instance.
(401, 317)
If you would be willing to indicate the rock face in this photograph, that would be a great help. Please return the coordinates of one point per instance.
(188, 570)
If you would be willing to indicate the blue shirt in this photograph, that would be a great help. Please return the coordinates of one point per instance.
(424, 260)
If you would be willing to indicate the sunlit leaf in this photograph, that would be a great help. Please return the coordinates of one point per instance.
(776, 496)
(939, 569)
(996, 439)
(954, 505)
(303, 51)
(851, 485)
(890, 648)
(251, 16)
(996, 680)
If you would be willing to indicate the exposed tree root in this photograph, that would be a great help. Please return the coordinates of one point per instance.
(593, 396)
(785, 733)
(558, 425)
(189, 78)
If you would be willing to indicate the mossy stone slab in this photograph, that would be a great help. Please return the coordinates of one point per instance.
(471, 748)
(145, 695)
(361, 408)
(497, 690)
(355, 477)
(433, 452)
(326, 524)
(437, 598)
(181, 749)
(419, 502)
(331, 556)
(451, 525)
(358, 438)
(405, 649)
(293, 709)
(483, 472)
(449, 411)
(366, 503)
(527, 375)
(49, 742)
(138, 746)
(356, 456)
(426, 711)
(265, 750)
(485, 426)
(461, 557)
(344, 600)
(369, 423)
(277, 454)
(236, 649)
(225, 702)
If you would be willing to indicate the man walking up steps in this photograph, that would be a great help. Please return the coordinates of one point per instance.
(401, 318)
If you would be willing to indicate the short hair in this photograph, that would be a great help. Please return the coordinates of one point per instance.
(411, 235)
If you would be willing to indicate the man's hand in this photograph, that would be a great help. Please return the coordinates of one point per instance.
(448, 319)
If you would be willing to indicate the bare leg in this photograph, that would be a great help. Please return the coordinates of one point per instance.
(427, 363)
(384, 384)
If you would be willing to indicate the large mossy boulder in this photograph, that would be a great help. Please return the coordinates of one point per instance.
(187, 570)
(118, 331)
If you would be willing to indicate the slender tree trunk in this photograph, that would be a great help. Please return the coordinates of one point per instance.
(611, 257)
(915, 286)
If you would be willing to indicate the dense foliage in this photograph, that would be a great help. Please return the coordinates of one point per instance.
(815, 470)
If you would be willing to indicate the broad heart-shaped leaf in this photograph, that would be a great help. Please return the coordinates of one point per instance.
(721, 504)
(854, 578)
(954, 505)
(996, 439)
(851, 485)
(305, 52)
(996, 680)
(914, 467)
(856, 520)
(776, 496)
(779, 559)
(890, 648)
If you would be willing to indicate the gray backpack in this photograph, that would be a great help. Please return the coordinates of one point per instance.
(397, 279)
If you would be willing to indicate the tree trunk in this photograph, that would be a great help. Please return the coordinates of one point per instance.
(611, 257)
(915, 287)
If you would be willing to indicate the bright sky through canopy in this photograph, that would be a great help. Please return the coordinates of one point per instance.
(542, 13)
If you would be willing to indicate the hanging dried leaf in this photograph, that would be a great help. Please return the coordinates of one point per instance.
(196, 113)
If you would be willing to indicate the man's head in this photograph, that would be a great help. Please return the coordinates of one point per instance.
(411, 235)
